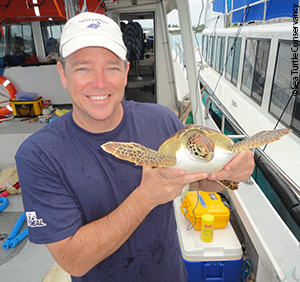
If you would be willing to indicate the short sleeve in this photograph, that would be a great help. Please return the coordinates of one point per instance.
(52, 212)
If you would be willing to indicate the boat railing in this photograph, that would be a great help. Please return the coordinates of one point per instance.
(176, 46)
(227, 116)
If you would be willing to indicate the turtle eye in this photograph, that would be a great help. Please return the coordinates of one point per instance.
(195, 150)
(201, 147)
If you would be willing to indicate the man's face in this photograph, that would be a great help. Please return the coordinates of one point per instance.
(95, 79)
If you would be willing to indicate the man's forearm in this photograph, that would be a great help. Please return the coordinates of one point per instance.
(97, 240)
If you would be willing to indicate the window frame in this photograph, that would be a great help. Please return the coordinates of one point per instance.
(8, 38)
(254, 68)
(229, 75)
(45, 34)
(220, 49)
(294, 100)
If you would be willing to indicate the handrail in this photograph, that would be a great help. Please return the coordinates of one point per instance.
(293, 186)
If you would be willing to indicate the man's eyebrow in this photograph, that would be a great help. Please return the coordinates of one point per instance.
(80, 63)
(114, 62)
(89, 62)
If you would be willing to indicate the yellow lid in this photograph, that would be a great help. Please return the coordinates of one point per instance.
(208, 218)
(198, 203)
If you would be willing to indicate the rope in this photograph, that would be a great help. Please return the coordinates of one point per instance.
(246, 11)
(247, 268)
(292, 272)
(191, 226)
(198, 77)
(58, 9)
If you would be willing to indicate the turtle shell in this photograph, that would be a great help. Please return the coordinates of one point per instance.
(174, 143)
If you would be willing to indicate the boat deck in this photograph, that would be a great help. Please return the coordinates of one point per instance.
(31, 262)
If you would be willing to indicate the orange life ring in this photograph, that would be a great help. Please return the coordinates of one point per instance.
(12, 92)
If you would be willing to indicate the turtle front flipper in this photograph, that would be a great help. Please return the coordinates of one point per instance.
(138, 154)
(258, 139)
(232, 185)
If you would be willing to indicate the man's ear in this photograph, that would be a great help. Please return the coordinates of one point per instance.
(62, 74)
(126, 71)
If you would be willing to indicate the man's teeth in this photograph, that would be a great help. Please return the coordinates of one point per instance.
(99, 97)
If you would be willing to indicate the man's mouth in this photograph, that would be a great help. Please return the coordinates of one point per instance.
(98, 98)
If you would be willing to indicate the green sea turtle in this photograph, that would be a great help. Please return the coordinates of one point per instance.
(194, 148)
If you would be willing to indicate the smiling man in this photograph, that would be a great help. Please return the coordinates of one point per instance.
(106, 219)
(95, 79)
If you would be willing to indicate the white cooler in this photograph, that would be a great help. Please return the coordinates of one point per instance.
(220, 260)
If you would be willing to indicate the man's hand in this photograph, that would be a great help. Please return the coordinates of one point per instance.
(238, 169)
(162, 185)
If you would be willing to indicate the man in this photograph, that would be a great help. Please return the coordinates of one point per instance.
(101, 218)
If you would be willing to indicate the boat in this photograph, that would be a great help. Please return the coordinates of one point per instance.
(158, 77)
(248, 62)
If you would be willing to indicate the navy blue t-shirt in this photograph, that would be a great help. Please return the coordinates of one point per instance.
(67, 181)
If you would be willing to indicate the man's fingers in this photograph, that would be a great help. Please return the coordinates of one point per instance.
(179, 176)
(238, 169)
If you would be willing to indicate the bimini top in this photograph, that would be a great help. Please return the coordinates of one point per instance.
(260, 10)
(42, 10)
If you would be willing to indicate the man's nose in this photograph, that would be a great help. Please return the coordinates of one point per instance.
(99, 79)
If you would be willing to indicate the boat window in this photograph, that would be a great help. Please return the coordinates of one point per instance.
(233, 61)
(284, 95)
(51, 37)
(211, 50)
(220, 54)
(204, 47)
(255, 68)
(16, 45)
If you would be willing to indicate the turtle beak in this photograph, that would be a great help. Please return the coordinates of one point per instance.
(209, 156)
(206, 150)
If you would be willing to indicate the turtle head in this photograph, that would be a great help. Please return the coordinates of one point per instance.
(201, 147)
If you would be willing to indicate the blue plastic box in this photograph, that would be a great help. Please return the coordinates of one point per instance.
(229, 271)
(220, 260)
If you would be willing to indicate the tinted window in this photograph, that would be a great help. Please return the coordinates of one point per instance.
(220, 54)
(16, 45)
(51, 35)
(285, 96)
(255, 68)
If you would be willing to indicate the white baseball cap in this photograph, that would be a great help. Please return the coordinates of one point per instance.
(92, 30)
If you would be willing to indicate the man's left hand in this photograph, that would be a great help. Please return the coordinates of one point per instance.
(238, 169)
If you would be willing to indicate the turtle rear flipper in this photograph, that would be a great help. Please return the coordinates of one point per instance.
(258, 139)
(138, 154)
(232, 185)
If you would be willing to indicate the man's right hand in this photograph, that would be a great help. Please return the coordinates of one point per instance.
(162, 185)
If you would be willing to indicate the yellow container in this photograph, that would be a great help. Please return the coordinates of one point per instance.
(198, 203)
(27, 108)
(207, 228)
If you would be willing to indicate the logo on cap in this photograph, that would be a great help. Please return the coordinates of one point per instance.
(94, 25)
